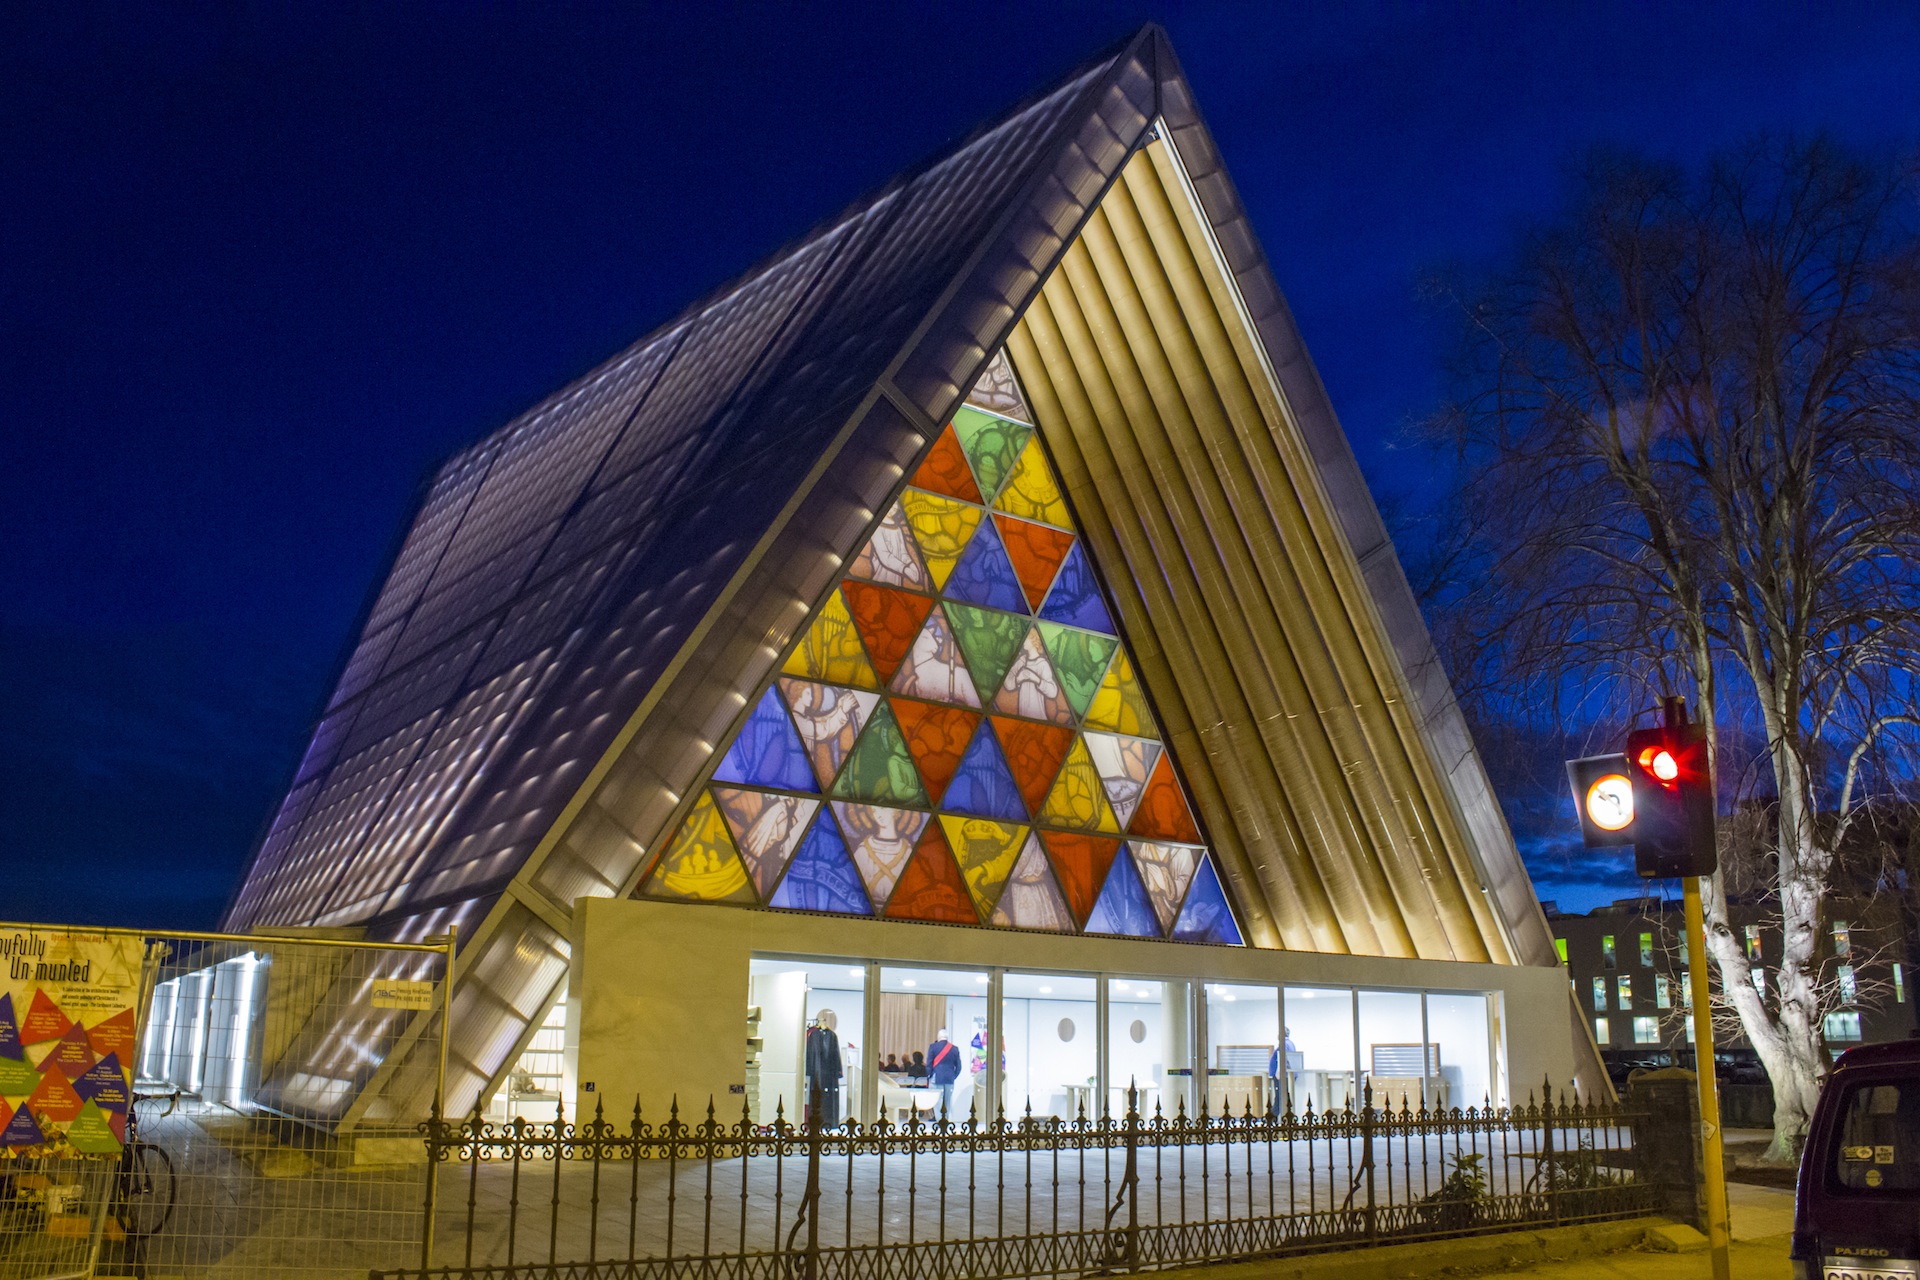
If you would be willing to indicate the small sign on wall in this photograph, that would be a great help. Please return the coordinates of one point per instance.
(402, 993)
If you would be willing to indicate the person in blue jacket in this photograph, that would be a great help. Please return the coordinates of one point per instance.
(943, 1066)
(1277, 1065)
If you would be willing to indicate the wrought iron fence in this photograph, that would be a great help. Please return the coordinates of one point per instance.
(1014, 1197)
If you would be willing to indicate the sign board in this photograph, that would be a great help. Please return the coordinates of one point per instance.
(402, 993)
(67, 1032)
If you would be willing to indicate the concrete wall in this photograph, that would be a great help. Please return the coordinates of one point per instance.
(658, 991)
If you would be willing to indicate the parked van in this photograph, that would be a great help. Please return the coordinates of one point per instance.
(1857, 1212)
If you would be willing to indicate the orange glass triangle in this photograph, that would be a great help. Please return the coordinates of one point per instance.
(888, 620)
(1080, 864)
(945, 470)
(1036, 552)
(932, 888)
(1034, 752)
(937, 738)
(1162, 813)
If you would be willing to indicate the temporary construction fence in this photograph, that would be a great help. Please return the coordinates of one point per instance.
(264, 1136)
(637, 1200)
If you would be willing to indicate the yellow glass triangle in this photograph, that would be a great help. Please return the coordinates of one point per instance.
(701, 863)
(1118, 705)
(942, 526)
(1031, 493)
(831, 650)
(1078, 799)
(986, 851)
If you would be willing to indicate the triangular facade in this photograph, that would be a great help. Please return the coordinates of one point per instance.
(989, 557)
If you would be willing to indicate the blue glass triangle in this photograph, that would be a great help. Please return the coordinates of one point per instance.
(983, 786)
(1075, 598)
(1123, 907)
(821, 876)
(1206, 917)
(985, 576)
(768, 752)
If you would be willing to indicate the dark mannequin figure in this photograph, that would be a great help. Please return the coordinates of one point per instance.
(824, 1067)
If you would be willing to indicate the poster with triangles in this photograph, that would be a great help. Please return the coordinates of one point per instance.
(67, 1038)
(958, 733)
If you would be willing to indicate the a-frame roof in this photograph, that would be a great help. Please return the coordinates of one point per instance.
(585, 595)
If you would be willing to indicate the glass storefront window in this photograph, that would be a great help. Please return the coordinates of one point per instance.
(940, 1014)
(1394, 1057)
(789, 1003)
(1052, 1029)
(1243, 1039)
(1149, 1045)
(1463, 1044)
(1320, 1022)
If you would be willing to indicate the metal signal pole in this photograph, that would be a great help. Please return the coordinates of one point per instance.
(1712, 1153)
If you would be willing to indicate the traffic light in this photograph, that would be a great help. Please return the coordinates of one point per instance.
(1672, 797)
(1603, 795)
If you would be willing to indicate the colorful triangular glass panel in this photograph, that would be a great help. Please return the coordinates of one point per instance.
(829, 721)
(1080, 864)
(945, 470)
(830, 650)
(1206, 916)
(880, 769)
(932, 887)
(992, 445)
(1125, 764)
(984, 575)
(1031, 688)
(1163, 813)
(1075, 598)
(1034, 752)
(986, 851)
(767, 751)
(881, 840)
(982, 784)
(1032, 899)
(942, 527)
(701, 863)
(766, 830)
(1030, 492)
(988, 638)
(1036, 553)
(1166, 870)
(821, 876)
(935, 668)
(1123, 907)
(888, 620)
(1079, 662)
(890, 555)
(937, 738)
(1119, 706)
(1078, 799)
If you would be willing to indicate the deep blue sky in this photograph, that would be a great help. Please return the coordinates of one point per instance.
(258, 272)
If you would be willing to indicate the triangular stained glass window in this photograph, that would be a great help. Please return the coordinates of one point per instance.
(701, 863)
(766, 830)
(982, 786)
(1031, 898)
(890, 556)
(821, 876)
(1075, 597)
(932, 888)
(881, 841)
(1123, 907)
(767, 752)
(1009, 760)
(984, 575)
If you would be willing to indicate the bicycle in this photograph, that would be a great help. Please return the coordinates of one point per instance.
(144, 1187)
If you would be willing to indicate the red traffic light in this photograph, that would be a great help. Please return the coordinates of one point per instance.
(1672, 797)
(1661, 763)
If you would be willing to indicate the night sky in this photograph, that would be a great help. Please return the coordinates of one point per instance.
(259, 272)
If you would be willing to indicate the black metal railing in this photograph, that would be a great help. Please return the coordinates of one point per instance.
(1032, 1196)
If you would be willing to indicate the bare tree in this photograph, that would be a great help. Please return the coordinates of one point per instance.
(1684, 422)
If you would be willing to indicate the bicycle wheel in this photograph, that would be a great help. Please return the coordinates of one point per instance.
(147, 1191)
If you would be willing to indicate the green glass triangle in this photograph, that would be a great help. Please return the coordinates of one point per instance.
(988, 640)
(1079, 660)
(879, 769)
(992, 446)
